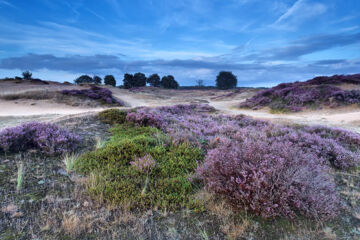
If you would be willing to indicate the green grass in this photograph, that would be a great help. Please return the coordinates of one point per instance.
(20, 177)
(114, 179)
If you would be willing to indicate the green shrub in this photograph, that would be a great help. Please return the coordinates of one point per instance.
(113, 116)
(116, 180)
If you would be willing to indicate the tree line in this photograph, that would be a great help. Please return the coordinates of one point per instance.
(224, 80)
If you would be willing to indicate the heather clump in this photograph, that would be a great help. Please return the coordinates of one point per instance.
(96, 93)
(312, 93)
(45, 137)
(269, 178)
(268, 169)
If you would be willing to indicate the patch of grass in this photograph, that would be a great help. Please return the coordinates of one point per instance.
(113, 116)
(114, 179)
(20, 177)
(69, 161)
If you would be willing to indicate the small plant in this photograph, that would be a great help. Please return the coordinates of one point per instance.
(20, 176)
(113, 116)
(100, 143)
(69, 161)
(144, 165)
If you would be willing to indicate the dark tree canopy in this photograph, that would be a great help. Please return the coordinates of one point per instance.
(97, 80)
(139, 80)
(136, 80)
(110, 80)
(128, 80)
(154, 80)
(169, 82)
(84, 79)
(27, 75)
(226, 80)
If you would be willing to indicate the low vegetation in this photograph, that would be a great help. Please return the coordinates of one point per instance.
(47, 138)
(246, 159)
(313, 93)
(139, 167)
(104, 95)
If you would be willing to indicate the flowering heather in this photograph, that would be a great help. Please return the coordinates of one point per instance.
(258, 166)
(294, 96)
(95, 93)
(46, 137)
(144, 164)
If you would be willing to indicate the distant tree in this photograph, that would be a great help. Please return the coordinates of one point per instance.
(27, 75)
(154, 80)
(200, 83)
(139, 80)
(169, 82)
(226, 80)
(110, 80)
(97, 80)
(128, 80)
(84, 79)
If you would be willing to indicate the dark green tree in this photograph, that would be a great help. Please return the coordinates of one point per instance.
(139, 80)
(84, 79)
(154, 80)
(27, 75)
(128, 80)
(226, 80)
(110, 80)
(97, 80)
(169, 82)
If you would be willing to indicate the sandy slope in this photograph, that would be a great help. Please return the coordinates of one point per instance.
(224, 101)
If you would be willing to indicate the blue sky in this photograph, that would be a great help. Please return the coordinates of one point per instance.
(263, 42)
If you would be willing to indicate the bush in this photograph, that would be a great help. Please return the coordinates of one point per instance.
(96, 93)
(128, 80)
(110, 80)
(117, 177)
(27, 75)
(269, 179)
(113, 116)
(226, 80)
(154, 80)
(45, 137)
(169, 82)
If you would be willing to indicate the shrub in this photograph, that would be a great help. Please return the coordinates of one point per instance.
(96, 93)
(269, 179)
(135, 168)
(169, 82)
(27, 75)
(110, 80)
(154, 80)
(113, 116)
(48, 138)
(226, 80)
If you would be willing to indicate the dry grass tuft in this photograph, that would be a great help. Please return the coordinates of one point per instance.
(72, 224)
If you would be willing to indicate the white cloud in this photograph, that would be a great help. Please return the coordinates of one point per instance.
(299, 12)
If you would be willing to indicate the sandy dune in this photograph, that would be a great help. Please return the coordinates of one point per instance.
(12, 112)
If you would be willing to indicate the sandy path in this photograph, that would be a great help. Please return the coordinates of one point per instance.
(14, 112)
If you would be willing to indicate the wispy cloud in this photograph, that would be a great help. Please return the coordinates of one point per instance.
(300, 11)
(6, 3)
